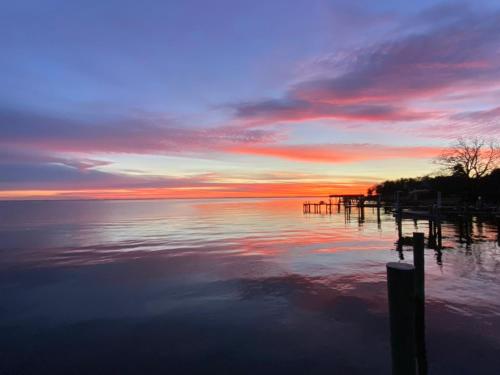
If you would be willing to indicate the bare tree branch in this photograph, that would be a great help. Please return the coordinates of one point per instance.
(474, 158)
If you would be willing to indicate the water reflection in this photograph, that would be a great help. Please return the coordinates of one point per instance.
(232, 286)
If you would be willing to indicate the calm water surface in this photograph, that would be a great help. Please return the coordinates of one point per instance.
(240, 286)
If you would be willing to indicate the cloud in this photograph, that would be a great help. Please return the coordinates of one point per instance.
(485, 123)
(31, 170)
(292, 110)
(54, 181)
(339, 153)
(213, 190)
(26, 175)
(446, 55)
(132, 134)
(31, 176)
(492, 114)
(382, 82)
(10, 155)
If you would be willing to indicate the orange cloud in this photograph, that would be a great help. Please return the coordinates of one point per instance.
(338, 153)
(214, 190)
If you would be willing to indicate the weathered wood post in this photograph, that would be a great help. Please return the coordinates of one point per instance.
(460, 227)
(361, 209)
(401, 293)
(439, 235)
(498, 229)
(399, 223)
(468, 226)
(399, 215)
(379, 203)
(418, 262)
(399, 249)
(430, 240)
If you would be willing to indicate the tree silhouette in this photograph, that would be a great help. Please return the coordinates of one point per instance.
(472, 158)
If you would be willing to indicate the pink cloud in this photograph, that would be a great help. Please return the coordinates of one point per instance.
(128, 135)
(338, 153)
(381, 82)
(293, 110)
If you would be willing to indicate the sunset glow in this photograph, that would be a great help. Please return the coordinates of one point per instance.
(249, 100)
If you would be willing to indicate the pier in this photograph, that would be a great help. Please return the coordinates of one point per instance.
(431, 211)
(336, 201)
(405, 208)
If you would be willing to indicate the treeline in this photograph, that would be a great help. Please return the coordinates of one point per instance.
(456, 186)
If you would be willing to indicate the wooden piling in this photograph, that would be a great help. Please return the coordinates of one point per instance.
(439, 236)
(379, 203)
(399, 223)
(498, 229)
(418, 262)
(401, 293)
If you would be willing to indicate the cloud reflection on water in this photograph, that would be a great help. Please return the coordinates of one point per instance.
(232, 285)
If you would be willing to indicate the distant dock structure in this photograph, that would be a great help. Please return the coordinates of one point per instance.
(432, 209)
(405, 207)
(335, 201)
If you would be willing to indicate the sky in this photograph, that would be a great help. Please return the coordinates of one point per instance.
(233, 98)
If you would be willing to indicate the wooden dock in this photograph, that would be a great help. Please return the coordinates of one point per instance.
(401, 208)
(335, 201)
(431, 212)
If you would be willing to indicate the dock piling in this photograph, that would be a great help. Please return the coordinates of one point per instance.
(418, 261)
(401, 293)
